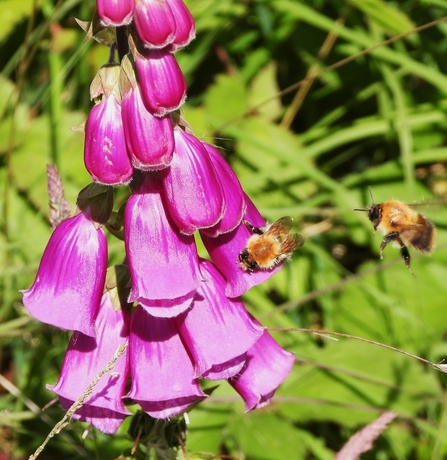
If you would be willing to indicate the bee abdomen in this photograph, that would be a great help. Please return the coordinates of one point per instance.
(424, 240)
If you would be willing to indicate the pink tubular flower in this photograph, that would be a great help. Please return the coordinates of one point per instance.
(86, 357)
(217, 331)
(155, 23)
(163, 85)
(163, 382)
(105, 154)
(267, 365)
(233, 193)
(149, 139)
(184, 24)
(224, 251)
(115, 12)
(195, 196)
(70, 280)
(163, 263)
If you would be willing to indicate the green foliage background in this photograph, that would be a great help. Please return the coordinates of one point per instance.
(377, 121)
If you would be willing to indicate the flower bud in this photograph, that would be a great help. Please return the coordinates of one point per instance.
(105, 154)
(115, 13)
(154, 22)
(149, 139)
(184, 24)
(163, 85)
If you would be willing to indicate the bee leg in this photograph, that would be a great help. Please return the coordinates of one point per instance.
(406, 256)
(394, 236)
(255, 230)
(403, 249)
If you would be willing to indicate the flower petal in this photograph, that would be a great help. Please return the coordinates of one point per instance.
(149, 139)
(217, 330)
(224, 251)
(155, 23)
(70, 280)
(163, 382)
(86, 357)
(163, 263)
(115, 13)
(267, 365)
(163, 85)
(233, 193)
(105, 154)
(195, 197)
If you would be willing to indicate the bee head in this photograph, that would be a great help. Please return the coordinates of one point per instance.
(246, 262)
(374, 211)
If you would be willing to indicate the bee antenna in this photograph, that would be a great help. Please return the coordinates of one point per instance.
(371, 195)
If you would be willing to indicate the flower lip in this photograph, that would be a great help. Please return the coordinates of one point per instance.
(156, 349)
(150, 235)
(218, 350)
(70, 279)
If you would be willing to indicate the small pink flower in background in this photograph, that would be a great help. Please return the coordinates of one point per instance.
(194, 194)
(70, 279)
(163, 381)
(115, 12)
(155, 23)
(84, 360)
(163, 263)
(163, 85)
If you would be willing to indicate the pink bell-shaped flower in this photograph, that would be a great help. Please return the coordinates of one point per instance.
(163, 382)
(155, 23)
(163, 263)
(86, 357)
(70, 280)
(163, 85)
(267, 365)
(115, 12)
(216, 330)
(149, 139)
(194, 193)
(225, 249)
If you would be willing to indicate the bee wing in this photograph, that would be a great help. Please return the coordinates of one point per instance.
(298, 240)
(283, 225)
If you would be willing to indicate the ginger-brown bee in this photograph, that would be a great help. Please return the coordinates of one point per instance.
(270, 245)
(401, 225)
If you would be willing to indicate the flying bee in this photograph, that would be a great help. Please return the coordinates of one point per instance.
(269, 246)
(401, 225)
